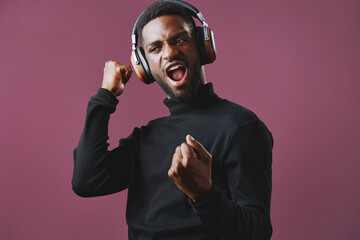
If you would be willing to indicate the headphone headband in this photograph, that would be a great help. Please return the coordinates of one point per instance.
(193, 10)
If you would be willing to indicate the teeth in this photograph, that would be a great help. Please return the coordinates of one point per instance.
(175, 67)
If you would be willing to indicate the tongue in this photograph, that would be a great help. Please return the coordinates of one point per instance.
(177, 74)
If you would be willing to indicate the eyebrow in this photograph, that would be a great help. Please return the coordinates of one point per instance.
(175, 36)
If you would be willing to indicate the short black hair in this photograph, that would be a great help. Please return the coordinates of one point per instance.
(161, 8)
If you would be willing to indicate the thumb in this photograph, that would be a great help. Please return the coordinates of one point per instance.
(199, 149)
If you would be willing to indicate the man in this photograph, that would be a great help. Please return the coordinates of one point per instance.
(204, 172)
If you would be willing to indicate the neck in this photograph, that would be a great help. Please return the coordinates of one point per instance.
(204, 98)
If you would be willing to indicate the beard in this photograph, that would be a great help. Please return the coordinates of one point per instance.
(188, 94)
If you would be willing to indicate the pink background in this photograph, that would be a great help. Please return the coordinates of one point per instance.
(294, 63)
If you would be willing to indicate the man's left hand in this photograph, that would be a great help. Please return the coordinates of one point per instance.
(191, 169)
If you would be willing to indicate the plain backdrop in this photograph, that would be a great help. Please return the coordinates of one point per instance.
(296, 64)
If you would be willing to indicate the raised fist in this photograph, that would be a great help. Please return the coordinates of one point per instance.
(116, 76)
(191, 169)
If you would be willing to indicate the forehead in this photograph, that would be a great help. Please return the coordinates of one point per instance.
(163, 27)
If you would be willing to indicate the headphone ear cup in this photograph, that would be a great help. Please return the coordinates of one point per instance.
(201, 45)
(137, 67)
(142, 69)
(149, 78)
(207, 48)
(210, 47)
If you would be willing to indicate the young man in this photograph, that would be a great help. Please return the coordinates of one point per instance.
(204, 172)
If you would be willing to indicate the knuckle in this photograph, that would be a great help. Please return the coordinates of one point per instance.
(185, 162)
(174, 172)
(177, 167)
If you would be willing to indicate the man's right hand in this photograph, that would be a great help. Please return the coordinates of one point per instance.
(116, 76)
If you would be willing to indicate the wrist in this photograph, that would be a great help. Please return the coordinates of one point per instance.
(108, 96)
(201, 197)
(113, 91)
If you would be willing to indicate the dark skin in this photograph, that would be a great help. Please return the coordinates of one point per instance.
(191, 169)
(169, 41)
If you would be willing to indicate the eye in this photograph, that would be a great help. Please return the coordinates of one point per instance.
(180, 40)
(154, 49)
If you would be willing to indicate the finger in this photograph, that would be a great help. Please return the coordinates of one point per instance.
(178, 151)
(121, 68)
(175, 163)
(173, 172)
(124, 71)
(128, 73)
(186, 150)
(178, 160)
(176, 156)
(110, 64)
(198, 147)
(188, 154)
(124, 67)
(106, 64)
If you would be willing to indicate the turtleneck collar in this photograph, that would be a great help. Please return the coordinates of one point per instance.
(204, 98)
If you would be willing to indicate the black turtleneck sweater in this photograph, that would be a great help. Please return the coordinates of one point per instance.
(238, 206)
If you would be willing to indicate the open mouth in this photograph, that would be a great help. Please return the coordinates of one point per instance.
(176, 72)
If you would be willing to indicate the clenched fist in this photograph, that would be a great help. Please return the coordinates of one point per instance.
(116, 76)
(191, 169)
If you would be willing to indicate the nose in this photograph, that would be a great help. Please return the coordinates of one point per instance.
(170, 52)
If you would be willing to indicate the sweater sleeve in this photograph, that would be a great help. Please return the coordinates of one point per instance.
(245, 212)
(98, 171)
